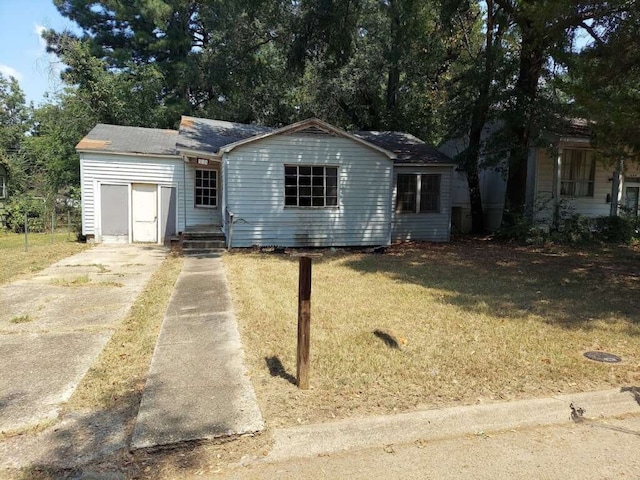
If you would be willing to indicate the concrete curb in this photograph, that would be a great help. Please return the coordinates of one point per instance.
(313, 440)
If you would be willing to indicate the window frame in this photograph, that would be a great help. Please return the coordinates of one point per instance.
(418, 181)
(3, 186)
(313, 182)
(211, 173)
(569, 185)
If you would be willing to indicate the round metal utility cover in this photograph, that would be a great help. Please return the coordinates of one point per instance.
(603, 357)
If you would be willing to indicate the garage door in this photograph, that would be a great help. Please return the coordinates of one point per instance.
(114, 213)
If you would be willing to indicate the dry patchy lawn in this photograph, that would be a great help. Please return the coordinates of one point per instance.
(476, 321)
(15, 262)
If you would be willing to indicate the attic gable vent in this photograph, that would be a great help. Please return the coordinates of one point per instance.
(311, 131)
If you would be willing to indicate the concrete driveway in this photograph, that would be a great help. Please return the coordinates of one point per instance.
(55, 324)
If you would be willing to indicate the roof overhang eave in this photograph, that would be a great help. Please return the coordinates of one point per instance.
(130, 154)
(187, 152)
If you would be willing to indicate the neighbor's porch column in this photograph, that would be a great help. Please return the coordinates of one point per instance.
(616, 189)
(557, 187)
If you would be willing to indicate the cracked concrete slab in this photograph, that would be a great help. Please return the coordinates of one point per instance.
(197, 386)
(52, 329)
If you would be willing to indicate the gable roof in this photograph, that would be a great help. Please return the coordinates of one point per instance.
(214, 137)
(408, 148)
(315, 126)
(135, 140)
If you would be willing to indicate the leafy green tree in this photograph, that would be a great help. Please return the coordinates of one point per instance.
(546, 29)
(15, 122)
(604, 81)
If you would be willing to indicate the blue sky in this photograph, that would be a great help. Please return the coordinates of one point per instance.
(22, 52)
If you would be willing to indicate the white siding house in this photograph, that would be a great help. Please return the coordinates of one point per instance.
(564, 179)
(255, 191)
(130, 184)
(304, 185)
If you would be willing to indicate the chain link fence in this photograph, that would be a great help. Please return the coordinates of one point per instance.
(32, 214)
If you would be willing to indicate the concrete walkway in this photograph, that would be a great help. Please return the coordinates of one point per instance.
(197, 386)
(54, 324)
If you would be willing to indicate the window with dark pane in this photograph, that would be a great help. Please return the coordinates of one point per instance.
(206, 191)
(310, 186)
(578, 172)
(430, 193)
(407, 192)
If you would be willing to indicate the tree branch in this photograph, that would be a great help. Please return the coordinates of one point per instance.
(592, 32)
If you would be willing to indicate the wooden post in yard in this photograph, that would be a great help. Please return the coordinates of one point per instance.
(26, 231)
(304, 322)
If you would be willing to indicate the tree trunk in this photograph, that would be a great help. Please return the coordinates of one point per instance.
(393, 74)
(531, 63)
(478, 121)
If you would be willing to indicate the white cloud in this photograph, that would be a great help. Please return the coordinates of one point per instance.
(38, 29)
(8, 71)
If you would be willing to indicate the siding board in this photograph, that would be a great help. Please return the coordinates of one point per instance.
(254, 191)
(97, 168)
(432, 227)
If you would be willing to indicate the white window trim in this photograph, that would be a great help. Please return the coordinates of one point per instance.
(195, 188)
(588, 156)
(3, 187)
(417, 210)
(336, 206)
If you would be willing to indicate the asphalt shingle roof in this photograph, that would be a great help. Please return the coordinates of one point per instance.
(408, 148)
(204, 135)
(119, 139)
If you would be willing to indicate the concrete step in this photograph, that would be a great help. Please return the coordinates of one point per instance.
(213, 252)
(203, 234)
(204, 243)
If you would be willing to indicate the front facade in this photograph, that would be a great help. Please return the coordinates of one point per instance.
(564, 179)
(305, 185)
(571, 180)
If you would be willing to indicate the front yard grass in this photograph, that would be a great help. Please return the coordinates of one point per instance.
(15, 262)
(436, 325)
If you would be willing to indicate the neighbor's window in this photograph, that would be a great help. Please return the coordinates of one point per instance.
(3, 186)
(310, 186)
(418, 193)
(577, 173)
(206, 188)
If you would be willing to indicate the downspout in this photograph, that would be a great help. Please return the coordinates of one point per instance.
(184, 193)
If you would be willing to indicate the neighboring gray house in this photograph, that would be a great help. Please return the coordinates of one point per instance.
(307, 184)
(565, 175)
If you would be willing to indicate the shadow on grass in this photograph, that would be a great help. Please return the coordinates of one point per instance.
(96, 444)
(276, 369)
(388, 340)
(569, 288)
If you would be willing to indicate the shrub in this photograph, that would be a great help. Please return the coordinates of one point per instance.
(34, 208)
(575, 230)
(622, 229)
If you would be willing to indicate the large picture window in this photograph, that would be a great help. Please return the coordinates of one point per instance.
(310, 186)
(206, 194)
(577, 173)
(418, 193)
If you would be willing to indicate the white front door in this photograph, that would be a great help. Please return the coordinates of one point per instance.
(145, 212)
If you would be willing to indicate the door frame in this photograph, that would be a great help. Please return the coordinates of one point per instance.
(624, 194)
(97, 205)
